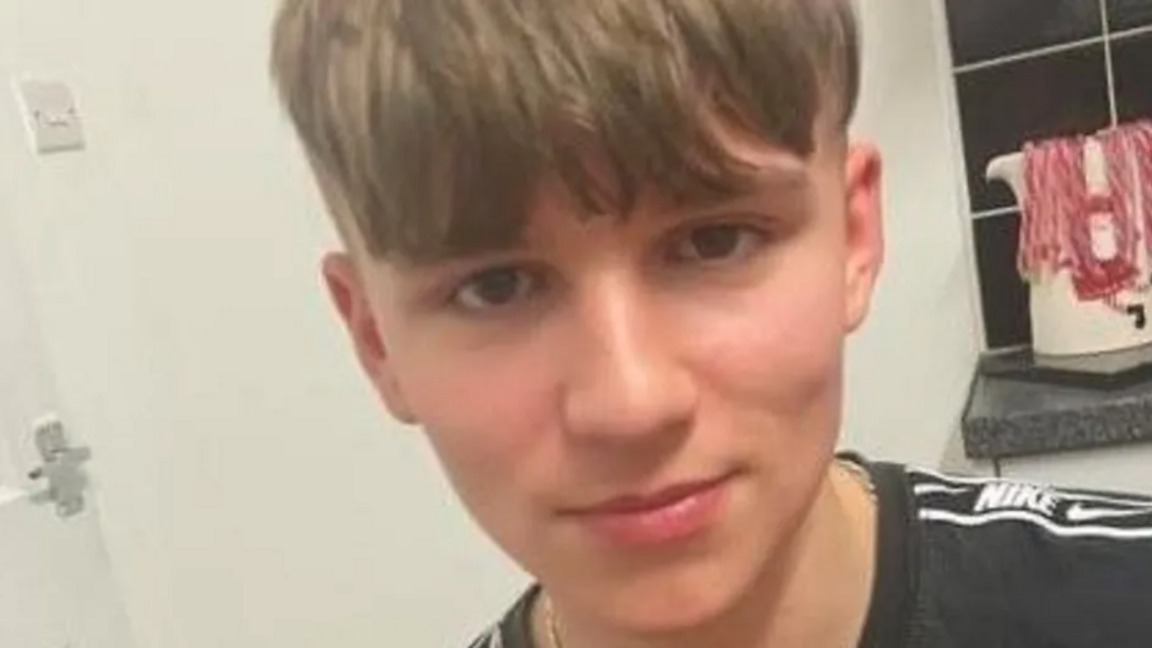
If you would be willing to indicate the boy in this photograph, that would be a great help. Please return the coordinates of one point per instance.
(606, 253)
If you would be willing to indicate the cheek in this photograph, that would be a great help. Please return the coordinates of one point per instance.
(771, 360)
(487, 413)
(778, 344)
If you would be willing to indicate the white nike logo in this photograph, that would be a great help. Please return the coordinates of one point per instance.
(1079, 513)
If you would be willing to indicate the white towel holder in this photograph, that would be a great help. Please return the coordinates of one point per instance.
(1062, 325)
(1009, 169)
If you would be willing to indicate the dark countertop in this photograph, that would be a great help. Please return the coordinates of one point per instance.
(1010, 417)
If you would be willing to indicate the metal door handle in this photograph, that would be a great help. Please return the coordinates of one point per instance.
(63, 469)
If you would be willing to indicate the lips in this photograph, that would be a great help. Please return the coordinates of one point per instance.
(660, 499)
(670, 514)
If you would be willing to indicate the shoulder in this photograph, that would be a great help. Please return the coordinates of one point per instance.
(1046, 513)
(1045, 565)
(513, 630)
(491, 638)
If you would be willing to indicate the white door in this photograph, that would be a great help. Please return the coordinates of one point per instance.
(56, 585)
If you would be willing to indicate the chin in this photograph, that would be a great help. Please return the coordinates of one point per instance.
(670, 589)
(666, 616)
(691, 593)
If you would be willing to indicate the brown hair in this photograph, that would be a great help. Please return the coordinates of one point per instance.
(429, 122)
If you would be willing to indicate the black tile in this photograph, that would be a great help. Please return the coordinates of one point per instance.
(1132, 64)
(1004, 106)
(1004, 295)
(1126, 14)
(984, 29)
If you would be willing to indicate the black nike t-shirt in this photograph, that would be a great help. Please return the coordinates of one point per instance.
(988, 563)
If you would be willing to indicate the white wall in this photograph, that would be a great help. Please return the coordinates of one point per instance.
(910, 368)
(252, 493)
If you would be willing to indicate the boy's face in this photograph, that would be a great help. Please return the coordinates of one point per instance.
(639, 411)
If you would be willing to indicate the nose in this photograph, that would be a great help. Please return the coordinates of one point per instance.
(625, 383)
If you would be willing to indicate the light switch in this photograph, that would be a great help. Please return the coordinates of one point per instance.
(50, 115)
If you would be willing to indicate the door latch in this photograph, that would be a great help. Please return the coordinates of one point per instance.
(62, 471)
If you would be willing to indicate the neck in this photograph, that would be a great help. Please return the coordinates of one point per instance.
(816, 595)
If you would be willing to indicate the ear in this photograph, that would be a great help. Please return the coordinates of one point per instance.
(864, 232)
(348, 295)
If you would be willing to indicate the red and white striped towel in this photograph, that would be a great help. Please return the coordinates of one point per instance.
(1062, 216)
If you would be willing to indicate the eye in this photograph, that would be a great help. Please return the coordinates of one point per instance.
(495, 288)
(712, 244)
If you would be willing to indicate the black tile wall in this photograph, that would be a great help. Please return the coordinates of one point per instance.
(1132, 65)
(1129, 14)
(1004, 106)
(985, 29)
(1033, 69)
(1003, 294)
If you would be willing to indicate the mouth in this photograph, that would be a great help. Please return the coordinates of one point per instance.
(675, 513)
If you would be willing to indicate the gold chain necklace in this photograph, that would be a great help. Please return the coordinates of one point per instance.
(855, 470)
(861, 475)
(552, 626)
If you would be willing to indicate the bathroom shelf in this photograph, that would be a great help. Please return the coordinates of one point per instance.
(1019, 407)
